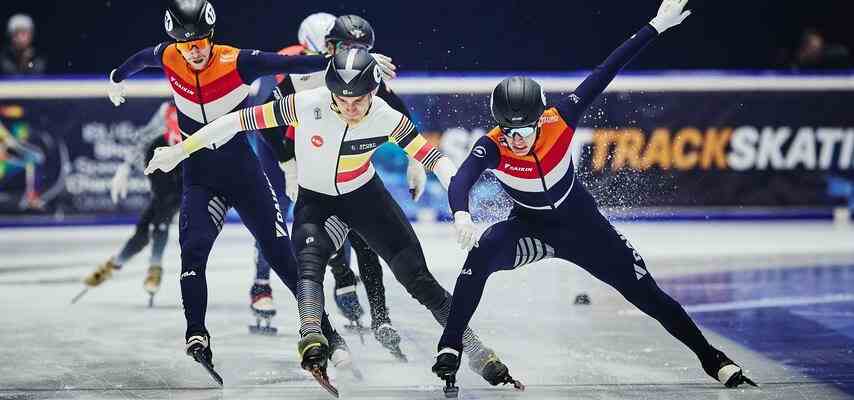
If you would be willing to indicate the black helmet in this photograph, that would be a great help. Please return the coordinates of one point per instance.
(517, 102)
(189, 19)
(352, 73)
(352, 28)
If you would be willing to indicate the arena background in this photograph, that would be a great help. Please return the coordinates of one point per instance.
(726, 163)
(91, 37)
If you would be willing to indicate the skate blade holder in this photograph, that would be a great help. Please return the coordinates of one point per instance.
(452, 391)
(199, 358)
(361, 330)
(398, 354)
(517, 385)
(738, 379)
(322, 379)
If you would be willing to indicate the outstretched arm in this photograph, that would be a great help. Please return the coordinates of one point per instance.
(221, 130)
(147, 57)
(150, 57)
(572, 107)
(418, 148)
(416, 176)
(154, 129)
(484, 155)
(253, 64)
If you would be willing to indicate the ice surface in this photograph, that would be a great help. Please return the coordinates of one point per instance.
(110, 345)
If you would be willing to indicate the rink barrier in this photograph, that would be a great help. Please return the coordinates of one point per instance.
(639, 215)
(676, 81)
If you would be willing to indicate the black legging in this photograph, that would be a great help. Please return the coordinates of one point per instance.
(591, 243)
(370, 271)
(321, 224)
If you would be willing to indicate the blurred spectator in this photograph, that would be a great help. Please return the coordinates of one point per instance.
(815, 53)
(21, 57)
(456, 143)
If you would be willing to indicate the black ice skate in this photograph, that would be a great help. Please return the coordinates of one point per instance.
(261, 297)
(490, 367)
(347, 300)
(724, 370)
(314, 352)
(390, 339)
(446, 367)
(198, 347)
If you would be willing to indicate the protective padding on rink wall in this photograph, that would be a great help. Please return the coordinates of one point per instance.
(655, 146)
(670, 82)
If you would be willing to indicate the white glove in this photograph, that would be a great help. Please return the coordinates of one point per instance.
(119, 187)
(166, 159)
(291, 184)
(116, 91)
(416, 177)
(466, 231)
(386, 66)
(669, 15)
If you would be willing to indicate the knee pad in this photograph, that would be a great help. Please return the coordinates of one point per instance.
(159, 232)
(313, 248)
(483, 262)
(411, 271)
(195, 248)
(140, 237)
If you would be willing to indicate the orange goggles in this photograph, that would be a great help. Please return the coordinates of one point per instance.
(187, 46)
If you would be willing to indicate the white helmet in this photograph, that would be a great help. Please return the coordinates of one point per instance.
(22, 22)
(313, 31)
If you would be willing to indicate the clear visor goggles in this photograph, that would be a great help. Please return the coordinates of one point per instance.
(524, 131)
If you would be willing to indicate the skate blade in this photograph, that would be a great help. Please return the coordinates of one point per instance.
(79, 295)
(357, 373)
(263, 330)
(361, 331)
(451, 390)
(738, 379)
(323, 380)
(198, 357)
(397, 353)
(517, 384)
